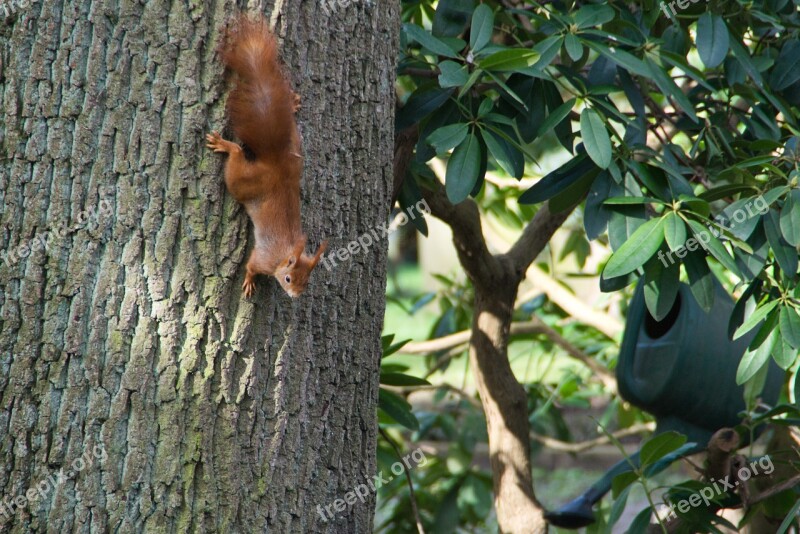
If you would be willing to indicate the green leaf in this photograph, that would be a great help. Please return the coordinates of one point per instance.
(766, 328)
(743, 55)
(514, 159)
(595, 138)
(595, 214)
(659, 446)
(573, 194)
(556, 116)
(482, 27)
(408, 198)
(558, 180)
(547, 49)
(769, 197)
(784, 354)
(714, 246)
(790, 218)
(701, 280)
(452, 74)
(639, 248)
(620, 502)
(790, 326)
(499, 153)
(401, 379)
(741, 217)
(451, 17)
(674, 231)
(712, 39)
(447, 516)
(621, 482)
(754, 360)
(447, 137)
(670, 88)
(463, 169)
(695, 204)
(661, 286)
(752, 263)
(627, 201)
(784, 254)
(428, 41)
(510, 59)
(422, 103)
(641, 523)
(787, 67)
(789, 519)
(397, 408)
(476, 496)
(737, 315)
(573, 46)
(728, 190)
(755, 318)
(389, 348)
(593, 15)
(386, 342)
(474, 77)
(622, 58)
(486, 106)
(624, 221)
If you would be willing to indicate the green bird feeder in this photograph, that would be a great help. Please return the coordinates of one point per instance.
(682, 370)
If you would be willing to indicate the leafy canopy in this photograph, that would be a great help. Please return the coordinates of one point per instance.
(681, 128)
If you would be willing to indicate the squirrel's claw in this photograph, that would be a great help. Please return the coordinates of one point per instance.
(248, 287)
(216, 142)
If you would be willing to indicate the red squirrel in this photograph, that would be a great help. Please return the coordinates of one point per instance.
(261, 109)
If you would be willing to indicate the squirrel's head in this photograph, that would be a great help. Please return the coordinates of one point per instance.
(294, 271)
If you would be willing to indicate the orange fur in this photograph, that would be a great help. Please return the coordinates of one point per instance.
(261, 111)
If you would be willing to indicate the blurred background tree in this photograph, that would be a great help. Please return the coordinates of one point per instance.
(570, 149)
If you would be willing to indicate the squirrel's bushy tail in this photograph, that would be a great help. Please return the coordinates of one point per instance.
(261, 106)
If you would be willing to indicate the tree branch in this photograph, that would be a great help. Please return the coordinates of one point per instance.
(404, 143)
(534, 326)
(575, 307)
(465, 222)
(535, 237)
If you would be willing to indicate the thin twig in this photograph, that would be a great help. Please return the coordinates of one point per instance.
(534, 326)
(564, 446)
(413, 498)
(470, 398)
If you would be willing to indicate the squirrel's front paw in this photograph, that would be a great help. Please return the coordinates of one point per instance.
(216, 142)
(248, 287)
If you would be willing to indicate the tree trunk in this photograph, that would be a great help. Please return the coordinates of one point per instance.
(496, 279)
(129, 359)
(505, 404)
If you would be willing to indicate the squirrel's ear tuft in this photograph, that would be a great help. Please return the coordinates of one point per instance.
(322, 248)
(297, 252)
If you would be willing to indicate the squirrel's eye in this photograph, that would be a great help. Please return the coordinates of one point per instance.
(288, 279)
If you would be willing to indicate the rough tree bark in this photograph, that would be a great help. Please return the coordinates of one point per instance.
(125, 339)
